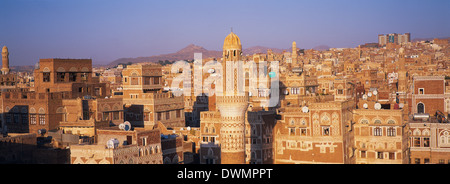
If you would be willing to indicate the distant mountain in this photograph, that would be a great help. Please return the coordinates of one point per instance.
(321, 47)
(186, 53)
(24, 68)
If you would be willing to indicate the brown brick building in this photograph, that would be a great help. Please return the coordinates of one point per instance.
(428, 94)
(144, 100)
(314, 134)
(380, 136)
(429, 141)
(136, 146)
(68, 75)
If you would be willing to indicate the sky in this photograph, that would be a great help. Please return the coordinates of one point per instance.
(106, 30)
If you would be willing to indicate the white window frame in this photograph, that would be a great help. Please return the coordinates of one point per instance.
(393, 133)
(378, 155)
(41, 119)
(423, 91)
(376, 133)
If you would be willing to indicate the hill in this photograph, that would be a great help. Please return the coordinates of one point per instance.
(186, 53)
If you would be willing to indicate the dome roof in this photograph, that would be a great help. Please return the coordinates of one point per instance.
(232, 41)
(5, 49)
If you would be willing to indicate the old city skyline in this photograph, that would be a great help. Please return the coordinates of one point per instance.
(381, 102)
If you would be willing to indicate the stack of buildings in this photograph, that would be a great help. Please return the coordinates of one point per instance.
(374, 104)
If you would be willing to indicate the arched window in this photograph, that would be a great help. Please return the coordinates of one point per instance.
(416, 132)
(167, 160)
(364, 121)
(445, 139)
(420, 108)
(175, 159)
(303, 122)
(210, 152)
(426, 132)
(447, 106)
(141, 152)
(292, 122)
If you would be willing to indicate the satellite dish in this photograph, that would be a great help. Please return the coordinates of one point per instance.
(375, 92)
(112, 143)
(188, 128)
(305, 109)
(127, 126)
(401, 105)
(249, 93)
(122, 126)
(365, 106)
(42, 131)
(378, 106)
(364, 97)
(369, 94)
(272, 74)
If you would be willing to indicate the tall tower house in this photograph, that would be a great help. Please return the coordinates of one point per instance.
(294, 52)
(5, 60)
(232, 103)
(402, 71)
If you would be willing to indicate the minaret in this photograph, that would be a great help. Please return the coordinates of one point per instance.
(294, 52)
(402, 71)
(5, 60)
(359, 52)
(232, 103)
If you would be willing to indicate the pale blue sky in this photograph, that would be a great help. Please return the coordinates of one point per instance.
(105, 30)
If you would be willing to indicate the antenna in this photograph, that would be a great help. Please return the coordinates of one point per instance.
(231, 29)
